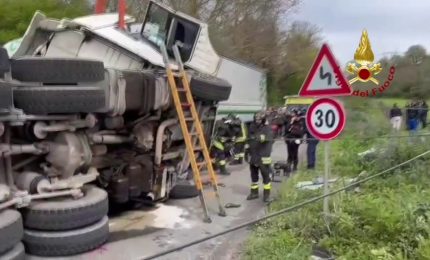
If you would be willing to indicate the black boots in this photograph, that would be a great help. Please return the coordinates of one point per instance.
(253, 195)
(223, 170)
(266, 196)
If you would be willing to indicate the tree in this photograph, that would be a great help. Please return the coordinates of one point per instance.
(15, 16)
(416, 52)
(410, 79)
(299, 49)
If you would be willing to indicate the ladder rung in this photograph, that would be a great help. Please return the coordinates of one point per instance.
(193, 133)
(188, 105)
(198, 148)
(189, 119)
(181, 90)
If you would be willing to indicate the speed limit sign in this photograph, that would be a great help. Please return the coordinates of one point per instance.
(325, 119)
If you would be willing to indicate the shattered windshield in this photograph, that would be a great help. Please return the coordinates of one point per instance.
(156, 26)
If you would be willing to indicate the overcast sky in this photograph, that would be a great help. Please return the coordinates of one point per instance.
(393, 25)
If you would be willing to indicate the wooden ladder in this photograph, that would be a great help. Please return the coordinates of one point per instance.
(192, 130)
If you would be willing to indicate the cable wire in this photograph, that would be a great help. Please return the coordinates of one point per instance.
(286, 210)
(345, 138)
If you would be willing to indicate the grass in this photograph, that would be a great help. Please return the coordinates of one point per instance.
(389, 102)
(386, 218)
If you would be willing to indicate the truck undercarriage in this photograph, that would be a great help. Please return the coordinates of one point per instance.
(77, 111)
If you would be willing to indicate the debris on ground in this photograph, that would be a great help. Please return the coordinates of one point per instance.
(232, 205)
(313, 185)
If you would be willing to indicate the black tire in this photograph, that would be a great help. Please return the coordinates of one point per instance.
(67, 213)
(207, 87)
(11, 230)
(183, 191)
(82, 98)
(64, 243)
(16, 253)
(57, 70)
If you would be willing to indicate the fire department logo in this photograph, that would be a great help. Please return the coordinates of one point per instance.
(363, 68)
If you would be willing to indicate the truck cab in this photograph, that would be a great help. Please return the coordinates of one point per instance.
(165, 25)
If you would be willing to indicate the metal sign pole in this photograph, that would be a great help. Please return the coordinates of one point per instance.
(326, 174)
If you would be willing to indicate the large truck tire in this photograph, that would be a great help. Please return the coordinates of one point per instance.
(67, 213)
(81, 98)
(16, 253)
(64, 243)
(183, 191)
(207, 87)
(11, 230)
(57, 70)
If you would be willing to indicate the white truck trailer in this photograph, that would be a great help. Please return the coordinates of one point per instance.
(248, 93)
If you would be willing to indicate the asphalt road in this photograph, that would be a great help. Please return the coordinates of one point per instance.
(145, 231)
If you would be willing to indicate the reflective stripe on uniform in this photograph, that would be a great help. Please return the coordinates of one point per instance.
(262, 138)
(239, 155)
(222, 162)
(243, 137)
(266, 160)
(254, 186)
(267, 186)
(218, 145)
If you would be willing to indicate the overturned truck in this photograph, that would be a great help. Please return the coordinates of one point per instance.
(86, 118)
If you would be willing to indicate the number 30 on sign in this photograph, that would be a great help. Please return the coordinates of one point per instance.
(325, 119)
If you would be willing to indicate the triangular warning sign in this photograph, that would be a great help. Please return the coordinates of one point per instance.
(325, 77)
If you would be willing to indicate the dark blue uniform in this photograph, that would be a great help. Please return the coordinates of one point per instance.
(311, 150)
(260, 149)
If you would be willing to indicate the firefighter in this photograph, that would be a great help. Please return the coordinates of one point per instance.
(239, 131)
(222, 135)
(260, 147)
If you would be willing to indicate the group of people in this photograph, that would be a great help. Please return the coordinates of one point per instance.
(295, 131)
(415, 113)
(277, 118)
(231, 134)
